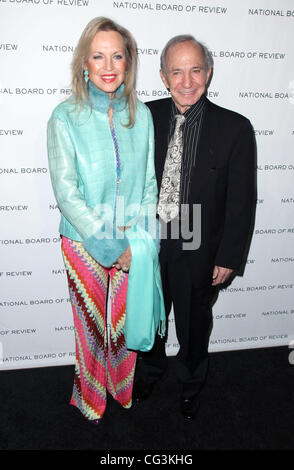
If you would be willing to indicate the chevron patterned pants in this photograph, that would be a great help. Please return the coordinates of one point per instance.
(103, 362)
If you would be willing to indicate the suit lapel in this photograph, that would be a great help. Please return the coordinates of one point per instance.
(161, 123)
(206, 154)
(205, 151)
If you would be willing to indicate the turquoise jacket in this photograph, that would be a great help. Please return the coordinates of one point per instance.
(82, 166)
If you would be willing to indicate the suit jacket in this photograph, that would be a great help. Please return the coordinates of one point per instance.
(222, 181)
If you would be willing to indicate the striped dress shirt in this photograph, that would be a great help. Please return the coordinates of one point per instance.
(191, 133)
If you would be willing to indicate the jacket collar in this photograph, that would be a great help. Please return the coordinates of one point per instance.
(101, 101)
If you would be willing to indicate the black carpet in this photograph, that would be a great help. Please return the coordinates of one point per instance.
(247, 404)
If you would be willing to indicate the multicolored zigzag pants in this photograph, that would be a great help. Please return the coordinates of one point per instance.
(102, 360)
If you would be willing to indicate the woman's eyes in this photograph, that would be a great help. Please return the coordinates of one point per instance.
(116, 56)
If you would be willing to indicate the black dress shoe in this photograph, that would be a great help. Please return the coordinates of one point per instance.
(141, 391)
(189, 408)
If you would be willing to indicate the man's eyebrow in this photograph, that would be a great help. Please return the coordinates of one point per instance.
(175, 69)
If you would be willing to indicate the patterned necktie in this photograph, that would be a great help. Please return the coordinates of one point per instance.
(169, 197)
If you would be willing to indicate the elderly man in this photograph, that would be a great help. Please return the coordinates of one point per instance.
(204, 160)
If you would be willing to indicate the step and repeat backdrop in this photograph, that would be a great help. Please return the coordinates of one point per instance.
(252, 45)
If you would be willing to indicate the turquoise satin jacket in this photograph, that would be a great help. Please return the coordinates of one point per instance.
(82, 166)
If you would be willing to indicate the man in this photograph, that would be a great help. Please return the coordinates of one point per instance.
(206, 161)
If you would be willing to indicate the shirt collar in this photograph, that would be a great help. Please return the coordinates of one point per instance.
(193, 113)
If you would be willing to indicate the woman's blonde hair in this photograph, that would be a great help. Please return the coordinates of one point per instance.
(79, 87)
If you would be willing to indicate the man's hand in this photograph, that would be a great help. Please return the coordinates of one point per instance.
(220, 275)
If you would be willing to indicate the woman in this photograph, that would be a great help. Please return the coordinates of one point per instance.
(100, 150)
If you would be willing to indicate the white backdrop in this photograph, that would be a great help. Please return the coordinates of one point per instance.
(252, 44)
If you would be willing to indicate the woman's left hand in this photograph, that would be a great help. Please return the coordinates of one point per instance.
(124, 261)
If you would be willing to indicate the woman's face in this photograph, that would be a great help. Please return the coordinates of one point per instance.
(106, 62)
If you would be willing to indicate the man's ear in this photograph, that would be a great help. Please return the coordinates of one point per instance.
(163, 78)
(208, 76)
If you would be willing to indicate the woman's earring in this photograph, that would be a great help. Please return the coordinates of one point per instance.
(86, 76)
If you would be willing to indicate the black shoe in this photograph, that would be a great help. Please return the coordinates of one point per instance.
(189, 408)
(141, 391)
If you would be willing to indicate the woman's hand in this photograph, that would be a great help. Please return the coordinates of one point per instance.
(124, 261)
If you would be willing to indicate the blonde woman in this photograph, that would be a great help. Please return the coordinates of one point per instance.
(100, 150)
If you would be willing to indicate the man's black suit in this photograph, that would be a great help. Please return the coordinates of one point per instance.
(222, 182)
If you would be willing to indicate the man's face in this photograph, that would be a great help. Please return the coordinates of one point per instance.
(185, 74)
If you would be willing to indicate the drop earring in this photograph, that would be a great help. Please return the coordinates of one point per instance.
(86, 76)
